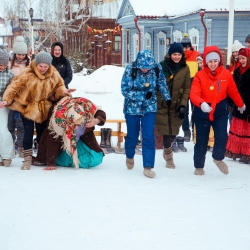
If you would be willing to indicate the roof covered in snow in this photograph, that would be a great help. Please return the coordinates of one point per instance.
(180, 7)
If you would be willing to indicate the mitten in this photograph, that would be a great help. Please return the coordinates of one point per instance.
(205, 107)
(242, 109)
(169, 102)
(148, 95)
(181, 109)
(79, 131)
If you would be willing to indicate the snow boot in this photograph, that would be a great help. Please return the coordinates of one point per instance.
(148, 172)
(7, 162)
(180, 143)
(108, 137)
(168, 157)
(187, 135)
(222, 166)
(1, 163)
(27, 159)
(175, 149)
(130, 163)
(199, 171)
(102, 144)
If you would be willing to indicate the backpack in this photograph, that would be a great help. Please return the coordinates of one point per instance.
(134, 71)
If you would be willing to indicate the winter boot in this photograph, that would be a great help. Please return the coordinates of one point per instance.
(148, 172)
(187, 135)
(27, 159)
(103, 135)
(180, 144)
(7, 162)
(130, 163)
(1, 163)
(222, 166)
(108, 137)
(199, 171)
(168, 157)
(175, 149)
(20, 151)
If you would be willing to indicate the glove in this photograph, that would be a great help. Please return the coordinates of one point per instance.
(242, 109)
(205, 107)
(169, 102)
(148, 95)
(181, 109)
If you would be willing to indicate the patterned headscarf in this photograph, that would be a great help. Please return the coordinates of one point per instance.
(68, 114)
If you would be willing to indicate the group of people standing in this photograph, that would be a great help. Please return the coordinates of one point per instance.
(152, 101)
(156, 95)
(39, 98)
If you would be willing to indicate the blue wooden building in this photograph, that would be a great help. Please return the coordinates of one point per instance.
(155, 24)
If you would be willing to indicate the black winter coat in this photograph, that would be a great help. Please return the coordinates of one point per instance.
(63, 66)
(243, 85)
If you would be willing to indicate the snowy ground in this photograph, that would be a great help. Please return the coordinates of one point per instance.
(112, 208)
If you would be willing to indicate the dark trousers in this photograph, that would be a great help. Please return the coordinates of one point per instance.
(29, 126)
(203, 124)
(185, 124)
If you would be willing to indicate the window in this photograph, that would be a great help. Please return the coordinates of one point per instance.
(194, 36)
(147, 41)
(177, 36)
(117, 43)
(161, 37)
(135, 39)
(98, 2)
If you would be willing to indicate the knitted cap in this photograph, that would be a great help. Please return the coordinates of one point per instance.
(185, 41)
(43, 57)
(247, 38)
(212, 56)
(20, 47)
(199, 58)
(244, 52)
(175, 48)
(236, 46)
(4, 57)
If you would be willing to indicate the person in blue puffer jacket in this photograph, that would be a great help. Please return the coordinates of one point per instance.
(140, 81)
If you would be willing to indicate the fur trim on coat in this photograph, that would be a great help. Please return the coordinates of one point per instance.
(32, 93)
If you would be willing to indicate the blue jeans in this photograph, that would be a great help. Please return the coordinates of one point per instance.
(146, 123)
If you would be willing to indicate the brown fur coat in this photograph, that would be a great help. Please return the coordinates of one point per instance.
(32, 93)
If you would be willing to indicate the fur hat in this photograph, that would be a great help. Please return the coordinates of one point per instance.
(212, 56)
(175, 48)
(185, 41)
(4, 57)
(236, 46)
(43, 57)
(247, 38)
(20, 47)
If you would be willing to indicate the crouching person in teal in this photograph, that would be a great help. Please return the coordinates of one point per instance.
(140, 81)
(69, 139)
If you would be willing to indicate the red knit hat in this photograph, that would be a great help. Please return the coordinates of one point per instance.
(244, 52)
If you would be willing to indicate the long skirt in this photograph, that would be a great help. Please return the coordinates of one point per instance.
(87, 157)
(238, 140)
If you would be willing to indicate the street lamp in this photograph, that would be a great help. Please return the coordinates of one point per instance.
(31, 12)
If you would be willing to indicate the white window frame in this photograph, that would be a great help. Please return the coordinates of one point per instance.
(136, 45)
(147, 40)
(194, 37)
(159, 36)
(177, 36)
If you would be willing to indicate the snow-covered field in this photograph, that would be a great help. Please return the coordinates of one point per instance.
(112, 208)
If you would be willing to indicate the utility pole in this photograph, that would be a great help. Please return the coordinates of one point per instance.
(230, 30)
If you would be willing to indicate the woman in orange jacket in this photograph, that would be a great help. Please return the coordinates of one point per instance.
(209, 92)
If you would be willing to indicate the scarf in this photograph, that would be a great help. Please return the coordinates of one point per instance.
(68, 114)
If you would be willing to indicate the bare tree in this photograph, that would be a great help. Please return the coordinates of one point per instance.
(53, 14)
